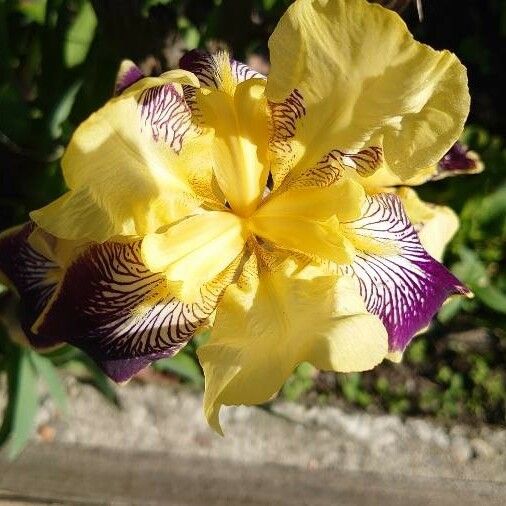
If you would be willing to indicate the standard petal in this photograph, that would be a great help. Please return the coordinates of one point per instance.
(361, 76)
(120, 313)
(284, 319)
(128, 166)
(435, 225)
(238, 120)
(403, 285)
(31, 274)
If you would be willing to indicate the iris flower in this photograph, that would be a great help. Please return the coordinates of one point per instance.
(269, 208)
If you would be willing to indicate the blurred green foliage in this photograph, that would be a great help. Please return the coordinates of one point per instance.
(58, 60)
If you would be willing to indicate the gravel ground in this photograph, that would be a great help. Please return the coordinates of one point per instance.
(169, 418)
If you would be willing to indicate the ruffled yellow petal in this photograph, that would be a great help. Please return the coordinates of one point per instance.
(362, 77)
(269, 322)
(384, 178)
(436, 225)
(129, 167)
(195, 250)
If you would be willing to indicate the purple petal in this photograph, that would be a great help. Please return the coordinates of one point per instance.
(204, 66)
(128, 74)
(117, 311)
(458, 160)
(407, 288)
(31, 274)
(120, 370)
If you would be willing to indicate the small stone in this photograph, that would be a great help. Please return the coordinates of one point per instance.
(482, 448)
(461, 449)
(312, 464)
(46, 433)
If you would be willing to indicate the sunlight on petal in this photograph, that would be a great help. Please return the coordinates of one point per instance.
(285, 319)
(195, 250)
(361, 74)
(239, 123)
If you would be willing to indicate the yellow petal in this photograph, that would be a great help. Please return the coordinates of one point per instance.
(384, 177)
(307, 219)
(195, 250)
(61, 251)
(343, 199)
(238, 118)
(317, 239)
(436, 225)
(128, 165)
(269, 322)
(362, 76)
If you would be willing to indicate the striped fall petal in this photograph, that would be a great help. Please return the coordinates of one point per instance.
(404, 287)
(105, 302)
(120, 313)
(33, 276)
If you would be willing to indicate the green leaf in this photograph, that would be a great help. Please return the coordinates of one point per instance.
(190, 34)
(25, 404)
(492, 297)
(181, 365)
(62, 110)
(33, 10)
(200, 338)
(62, 355)
(299, 382)
(98, 379)
(48, 372)
(473, 272)
(450, 309)
(269, 4)
(80, 36)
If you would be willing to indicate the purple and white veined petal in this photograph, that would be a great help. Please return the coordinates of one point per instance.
(33, 276)
(129, 73)
(120, 313)
(206, 67)
(404, 288)
(165, 112)
(459, 160)
(336, 164)
(283, 117)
